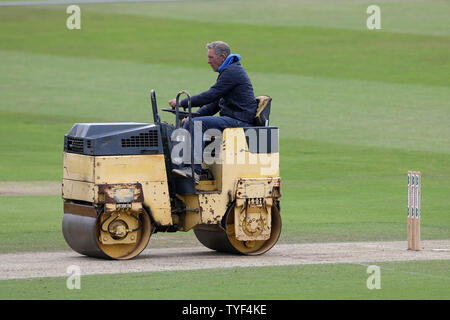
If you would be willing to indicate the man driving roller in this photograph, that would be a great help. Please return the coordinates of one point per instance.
(232, 96)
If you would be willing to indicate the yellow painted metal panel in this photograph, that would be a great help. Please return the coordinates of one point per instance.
(124, 169)
(238, 161)
(192, 216)
(83, 173)
(163, 216)
(78, 167)
(149, 170)
(156, 197)
(78, 190)
(254, 199)
(213, 207)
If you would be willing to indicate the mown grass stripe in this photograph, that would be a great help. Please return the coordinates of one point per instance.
(364, 55)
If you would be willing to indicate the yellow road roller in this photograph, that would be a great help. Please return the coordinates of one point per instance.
(118, 187)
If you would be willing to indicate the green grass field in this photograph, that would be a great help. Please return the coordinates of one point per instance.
(356, 110)
(399, 280)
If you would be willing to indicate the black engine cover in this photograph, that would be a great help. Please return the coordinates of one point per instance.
(106, 139)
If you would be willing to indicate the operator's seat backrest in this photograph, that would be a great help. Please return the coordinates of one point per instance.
(262, 111)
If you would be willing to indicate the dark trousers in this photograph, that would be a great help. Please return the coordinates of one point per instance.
(211, 122)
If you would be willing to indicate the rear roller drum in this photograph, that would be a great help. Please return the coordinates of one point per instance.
(117, 235)
(223, 239)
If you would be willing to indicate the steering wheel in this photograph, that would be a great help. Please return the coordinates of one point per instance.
(181, 113)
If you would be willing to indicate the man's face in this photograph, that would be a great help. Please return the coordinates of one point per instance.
(214, 61)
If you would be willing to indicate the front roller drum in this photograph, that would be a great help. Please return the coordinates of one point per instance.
(82, 233)
(223, 238)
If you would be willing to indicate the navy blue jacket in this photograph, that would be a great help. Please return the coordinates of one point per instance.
(232, 95)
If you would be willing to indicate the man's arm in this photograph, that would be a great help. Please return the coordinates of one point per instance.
(208, 110)
(225, 83)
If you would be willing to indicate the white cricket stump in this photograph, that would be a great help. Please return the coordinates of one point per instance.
(414, 197)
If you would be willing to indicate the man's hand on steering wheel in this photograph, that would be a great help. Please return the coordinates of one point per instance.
(172, 103)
